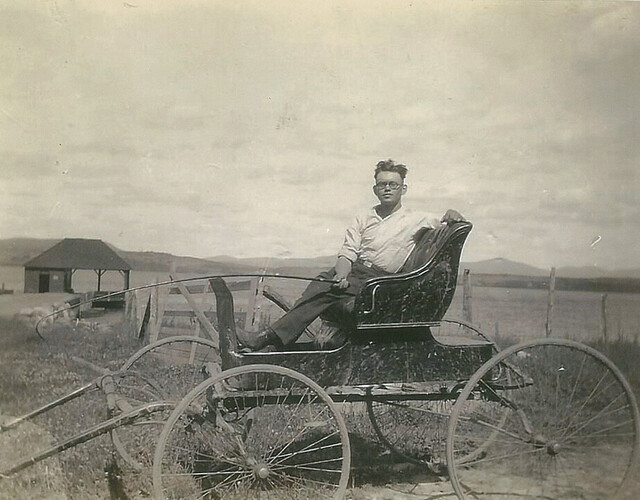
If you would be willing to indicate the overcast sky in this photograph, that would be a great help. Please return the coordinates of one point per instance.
(252, 128)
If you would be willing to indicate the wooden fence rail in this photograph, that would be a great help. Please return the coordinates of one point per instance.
(182, 309)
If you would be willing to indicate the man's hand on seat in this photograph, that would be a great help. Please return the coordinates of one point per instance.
(452, 216)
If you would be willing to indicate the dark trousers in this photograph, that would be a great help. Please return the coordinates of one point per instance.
(318, 297)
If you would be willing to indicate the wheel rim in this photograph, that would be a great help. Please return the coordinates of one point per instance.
(564, 423)
(163, 371)
(256, 431)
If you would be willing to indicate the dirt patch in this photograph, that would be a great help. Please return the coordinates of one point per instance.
(402, 491)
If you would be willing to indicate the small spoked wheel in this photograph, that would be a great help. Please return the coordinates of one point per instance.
(548, 418)
(168, 369)
(164, 371)
(417, 431)
(414, 430)
(257, 431)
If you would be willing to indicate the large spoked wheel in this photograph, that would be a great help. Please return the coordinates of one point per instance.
(561, 419)
(257, 431)
(414, 430)
(164, 371)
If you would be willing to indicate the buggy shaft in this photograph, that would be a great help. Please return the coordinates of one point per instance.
(39, 411)
(92, 432)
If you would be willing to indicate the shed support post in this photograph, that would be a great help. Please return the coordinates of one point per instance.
(126, 275)
(100, 272)
(68, 273)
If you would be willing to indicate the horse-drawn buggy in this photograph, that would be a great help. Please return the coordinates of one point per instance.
(547, 418)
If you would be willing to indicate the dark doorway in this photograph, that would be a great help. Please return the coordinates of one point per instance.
(43, 283)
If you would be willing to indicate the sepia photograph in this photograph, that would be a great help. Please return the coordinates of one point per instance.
(292, 249)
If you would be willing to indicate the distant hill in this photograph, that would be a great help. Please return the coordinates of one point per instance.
(161, 261)
(502, 266)
(273, 262)
(497, 266)
(17, 251)
(596, 272)
(294, 266)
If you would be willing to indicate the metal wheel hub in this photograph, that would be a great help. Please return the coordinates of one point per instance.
(553, 448)
(261, 471)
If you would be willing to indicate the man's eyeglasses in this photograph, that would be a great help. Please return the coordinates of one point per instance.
(392, 185)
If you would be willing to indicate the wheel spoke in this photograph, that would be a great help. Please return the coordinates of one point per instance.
(281, 466)
(238, 476)
(485, 460)
(601, 413)
(295, 437)
(601, 432)
(413, 430)
(584, 404)
(306, 449)
(499, 430)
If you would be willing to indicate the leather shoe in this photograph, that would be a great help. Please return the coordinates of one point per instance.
(256, 342)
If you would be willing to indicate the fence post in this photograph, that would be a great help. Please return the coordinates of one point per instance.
(127, 305)
(552, 288)
(604, 318)
(144, 325)
(153, 313)
(620, 332)
(130, 315)
(467, 313)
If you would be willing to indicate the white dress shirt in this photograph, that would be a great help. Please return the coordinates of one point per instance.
(384, 242)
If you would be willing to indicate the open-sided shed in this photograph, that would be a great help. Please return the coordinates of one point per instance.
(52, 270)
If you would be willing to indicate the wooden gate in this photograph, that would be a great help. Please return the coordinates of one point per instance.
(190, 309)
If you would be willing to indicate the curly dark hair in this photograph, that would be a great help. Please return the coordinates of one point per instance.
(391, 166)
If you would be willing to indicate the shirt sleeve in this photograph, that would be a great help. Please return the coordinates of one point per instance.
(425, 223)
(352, 241)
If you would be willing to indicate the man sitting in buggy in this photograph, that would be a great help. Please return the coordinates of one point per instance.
(376, 244)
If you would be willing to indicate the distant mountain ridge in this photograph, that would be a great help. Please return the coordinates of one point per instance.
(495, 266)
(17, 251)
(503, 266)
(324, 262)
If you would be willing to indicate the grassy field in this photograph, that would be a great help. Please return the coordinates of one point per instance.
(34, 372)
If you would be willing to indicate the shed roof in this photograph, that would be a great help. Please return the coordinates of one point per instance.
(78, 253)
